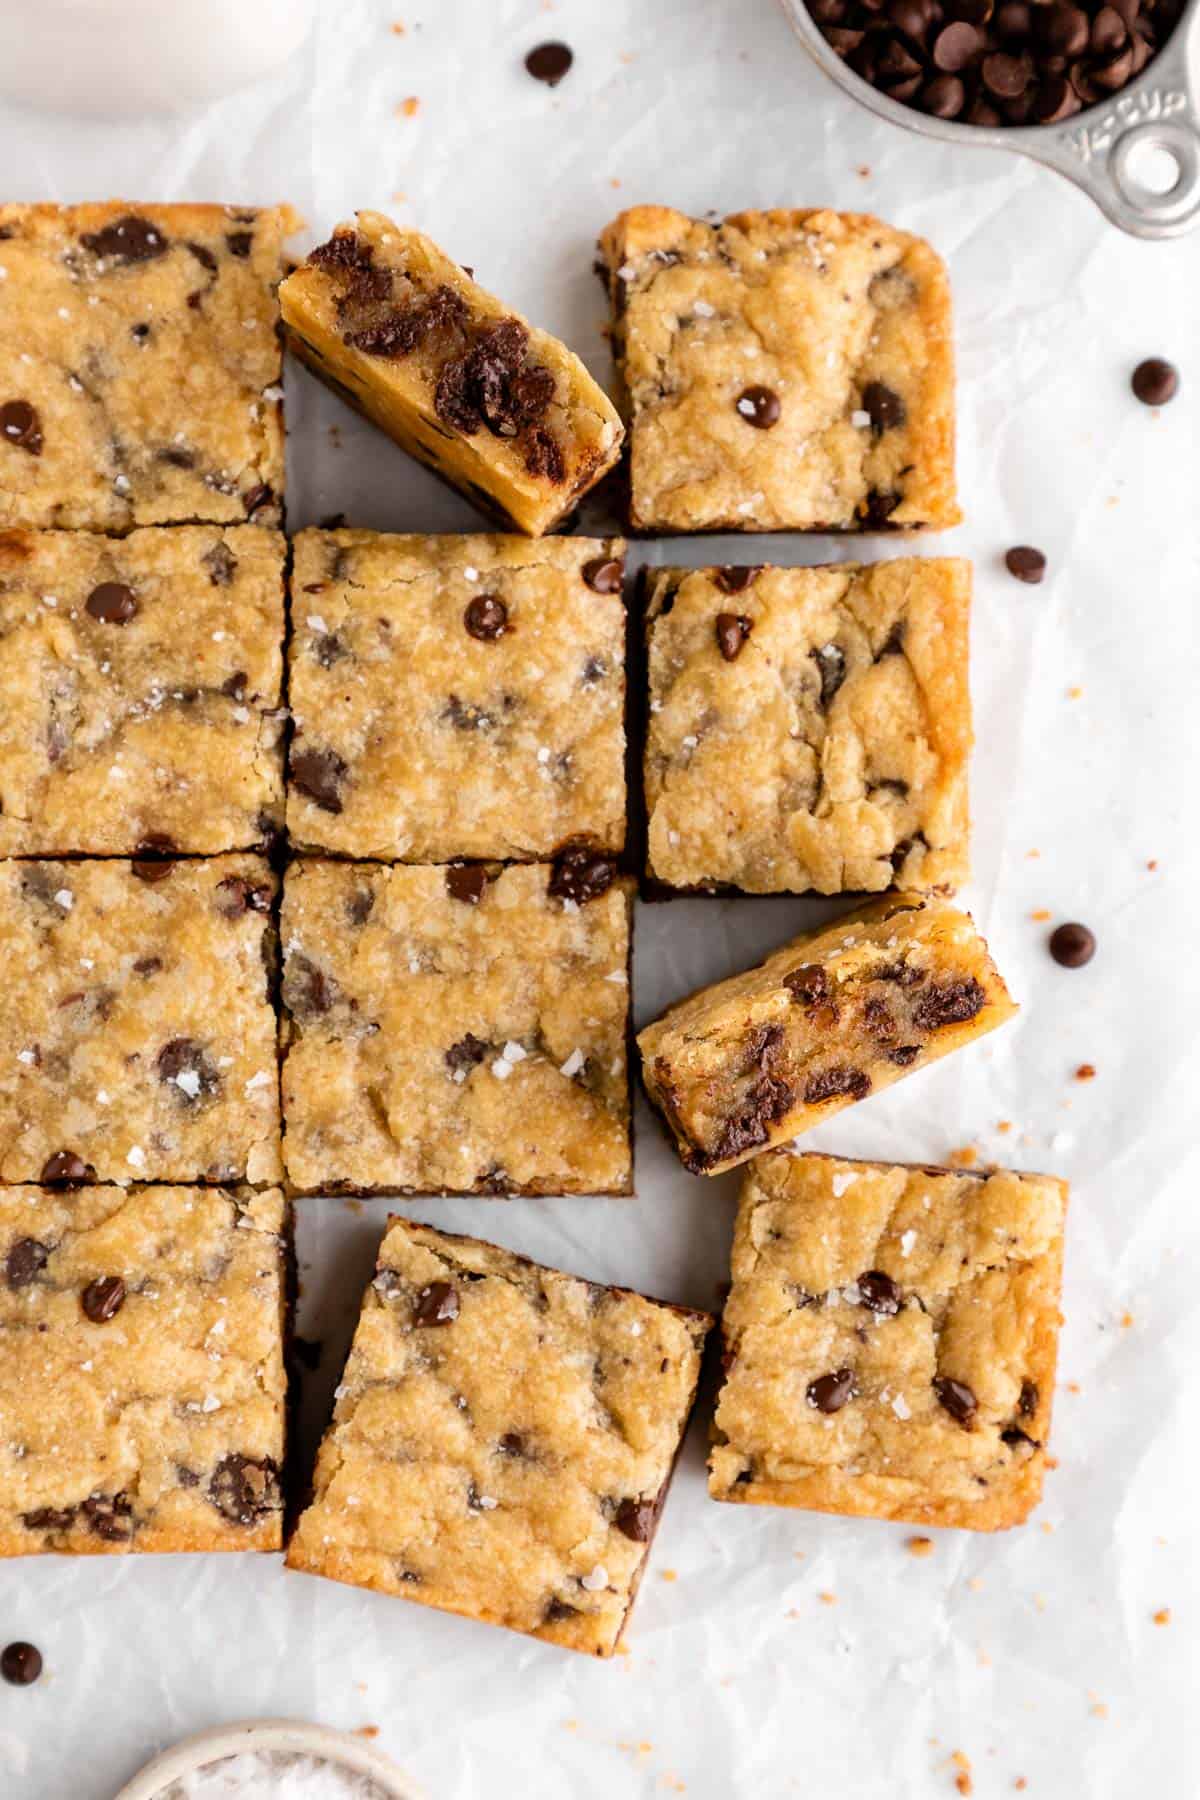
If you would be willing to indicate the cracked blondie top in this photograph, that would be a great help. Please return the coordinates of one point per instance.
(139, 1042)
(457, 1029)
(141, 685)
(503, 411)
(140, 365)
(890, 1341)
(833, 1016)
(456, 696)
(809, 728)
(783, 371)
(503, 1439)
(142, 1384)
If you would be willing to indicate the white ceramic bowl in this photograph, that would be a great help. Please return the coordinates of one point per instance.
(318, 1741)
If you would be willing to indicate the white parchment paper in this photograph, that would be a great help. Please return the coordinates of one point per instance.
(771, 1653)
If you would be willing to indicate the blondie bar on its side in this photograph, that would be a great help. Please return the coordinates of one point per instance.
(503, 1439)
(782, 371)
(831, 1017)
(504, 411)
(890, 1341)
(809, 729)
(140, 365)
(142, 1387)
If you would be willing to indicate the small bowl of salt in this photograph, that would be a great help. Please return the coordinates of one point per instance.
(271, 1759)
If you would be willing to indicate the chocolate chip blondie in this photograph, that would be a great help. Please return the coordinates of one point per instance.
(457, 1029)
(505, 412)
(809, 728)
(835, 1015)
(503, 1439)
(138, 1042)
(142, 1385)
(141, 685)
(456, 696)
(782, 371)
(890, 1341)
(140, 365)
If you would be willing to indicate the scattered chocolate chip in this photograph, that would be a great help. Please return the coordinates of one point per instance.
(879, 1293)
(957, 1398)
(319, 774)
(103, 1298)
(112, 603)
(829, 1393)
(20, 1664)
(605, 574)
(1027, 1404)
(66, 1166)
(186, 1065)
(887, 410)
(437, 1304)
(732, 631)
(154, 857)
(831, 663)
(836, 1083)
(1026, 563)
(808, 985)
(635, 1518)
(486, 618)
(1154, 381)
(581, 874)
(549, 62)
(466, 882)
(1072, 945)
(245, 1489)
(25, 1261)
(735, 580)
(21, 425)
(131, 239)
(760, 407)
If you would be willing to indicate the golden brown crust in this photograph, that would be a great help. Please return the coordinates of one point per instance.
(703, 311)
(502, 1441)
(901, 1278)
(824, 745)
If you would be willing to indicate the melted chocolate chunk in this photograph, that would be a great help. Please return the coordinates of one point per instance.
(808, 985)
(221, 564)
(154, 857)
(405, 328)
(733, 580)
(66, 1166)
(879, 508)
(879, 1293)
(319, 774)
(466, 882)
(307, 991)
(957, 1398)
(235, 896)
(835, 1083)
(635, 1518)
(949, 1003)
(239, 243)
(581, 874)
(887, 410)
(437, 1304)
(112, 603)
(131, 239)
(486, 618)
(103, 1298)
(831, 663)
(829, 1393)
(245, 1489)
(1027, 1403)
(25, 1261)
(186, 1065)
(466, 1054)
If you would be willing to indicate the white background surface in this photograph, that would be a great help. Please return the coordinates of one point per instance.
(1032, 1653)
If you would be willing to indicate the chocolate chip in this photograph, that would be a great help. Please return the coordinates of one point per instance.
(307, 991)
(734, 580)
(360, 905)
(732, 631)
(25, 1261)
(319, 774)
(544, 457)
(256, 498)
(954, 46)
(1026, 563)
(49, 1518)
(887, 410)
(635, 1518)
(879, 507)
(605, 574)
(203, 256)
(808, 985)
(1072, 945)
(103, 1298)
(835, 1083)
(879, 1019)
(943, 97)
(904, 1055)
(829, 1393)
(131, 239)
(437, 1304)
(21, 425)
(1006, 76)
(760, 407)
(66, 1166)
(949, 1003)
(581, 874)
(512, 1444)
(549, 62)
(20, 1664)
(147, 965)
(235, 896)
(557, 1609)
(245, 1489)
(486, 618)
(957, 1398)
(467, 1053)
(154, 857)
(1154, 381)
(186, 1065)
(831, 662)
(112, 603)
(239, 243)
(879, 1293)
(466, 882)
(221, 564)
(1027, 1404)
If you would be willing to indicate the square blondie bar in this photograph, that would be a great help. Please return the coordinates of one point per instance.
(141, 679)
(458, 1029)
(140, 365)
(809, 729)
(828, 1019)
(139, 1042)
(890, 1341)
(457, 696)
(142, 1387)
(503, 1439)
(782, 371)
(503, 411)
